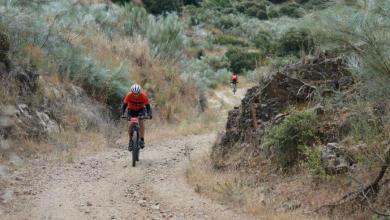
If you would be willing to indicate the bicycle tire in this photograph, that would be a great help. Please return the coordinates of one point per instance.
(135, 153)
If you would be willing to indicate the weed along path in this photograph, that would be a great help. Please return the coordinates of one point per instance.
(106, 186)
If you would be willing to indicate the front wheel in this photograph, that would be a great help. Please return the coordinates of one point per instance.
(135, 152)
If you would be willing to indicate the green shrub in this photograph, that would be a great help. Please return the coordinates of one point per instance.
(316, 4)
(362, 127)
(203, 74)
(226, 22)
(253, 9)
(257, 13)
(294, 41)
(287, 139)
(278, 1)
(263, 41)
(273, 12)
(162, 6)
(313, 160)
(217, 62)
(230, 40)
(241, 60)
(291, 10)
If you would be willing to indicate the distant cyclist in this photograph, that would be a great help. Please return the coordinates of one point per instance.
(234, 78)
(234, 81)
(136, 102)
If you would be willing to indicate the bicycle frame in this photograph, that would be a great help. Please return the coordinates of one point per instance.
(135, 122)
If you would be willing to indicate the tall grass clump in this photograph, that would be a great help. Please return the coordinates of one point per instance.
(78, 41)
(364, 29)
(287, 140)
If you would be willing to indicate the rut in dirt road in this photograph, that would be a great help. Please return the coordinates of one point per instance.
(105, 186)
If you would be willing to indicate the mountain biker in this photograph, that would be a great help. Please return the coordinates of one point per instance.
(136, 102)
(234, 78)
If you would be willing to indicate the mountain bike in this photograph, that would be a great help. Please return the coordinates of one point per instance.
(234, 87)
(135, 141)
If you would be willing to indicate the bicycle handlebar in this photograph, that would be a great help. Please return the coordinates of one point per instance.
(142, 117)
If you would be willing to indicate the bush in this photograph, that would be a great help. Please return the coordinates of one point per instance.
(253, 9)
(205, 76)
(313, 160)
(263, 41)
(217, 62)
(241, 60)
(294, 41)
(162, 6)
(230, 40)
(287, 139)
(278, 1)
(273, 12)
(291, 10)
(257, 13)
(226, 22)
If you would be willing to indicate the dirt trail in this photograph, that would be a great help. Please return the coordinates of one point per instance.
(105, 186)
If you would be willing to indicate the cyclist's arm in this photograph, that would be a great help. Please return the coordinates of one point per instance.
(148, 109)
(124, 106)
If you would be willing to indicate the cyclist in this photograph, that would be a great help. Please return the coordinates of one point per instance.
(234, 79)
(136, 102)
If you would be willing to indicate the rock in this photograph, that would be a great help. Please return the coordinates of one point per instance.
(142, 202)
(89, 203)
(47, 123)
(7, 196)
(262, 104)
(155, 207)
(4, 144)
(4, 43)
(333, 159)
(4, 48)
(4, 171)
(14, 159)
(319, 69)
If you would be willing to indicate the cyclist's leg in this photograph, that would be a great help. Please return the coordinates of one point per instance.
(129, 115)
(142, 129)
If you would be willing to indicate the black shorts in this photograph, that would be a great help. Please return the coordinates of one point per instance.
(132, 113)
(234, 81)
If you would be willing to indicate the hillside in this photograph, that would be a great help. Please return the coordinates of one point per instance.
(306, 136)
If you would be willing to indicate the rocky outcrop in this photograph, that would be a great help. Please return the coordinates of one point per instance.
(4, 48)
(260, 107)
(322, 70)
(264, 106)
(333, 159)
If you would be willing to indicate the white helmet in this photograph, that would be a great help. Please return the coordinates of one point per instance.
(136, 88)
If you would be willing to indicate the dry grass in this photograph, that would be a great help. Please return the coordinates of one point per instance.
(34, 56)
(173, 97)
(66, 146)
(8, 90)
(234, 189)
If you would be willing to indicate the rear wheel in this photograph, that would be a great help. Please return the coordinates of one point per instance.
(135, 152)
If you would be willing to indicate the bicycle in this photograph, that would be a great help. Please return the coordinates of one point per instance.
(135, 142)
(234, 87)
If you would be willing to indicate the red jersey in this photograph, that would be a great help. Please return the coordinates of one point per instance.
(234, 77)
(136, 103)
